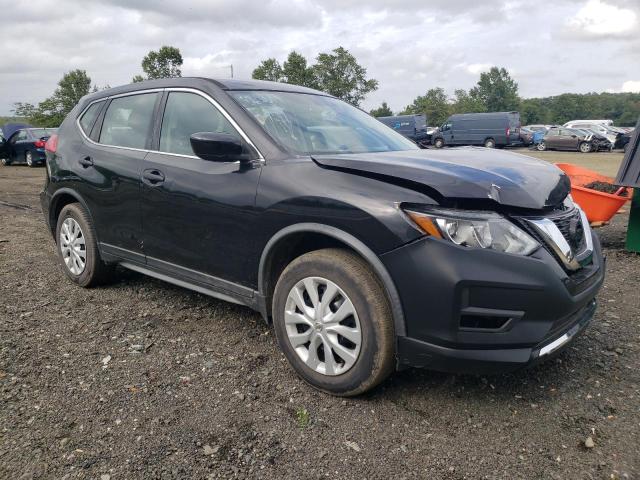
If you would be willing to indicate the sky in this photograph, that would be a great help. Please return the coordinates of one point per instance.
(409, 46)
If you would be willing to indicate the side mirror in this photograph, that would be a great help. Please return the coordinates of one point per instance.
(217, 147)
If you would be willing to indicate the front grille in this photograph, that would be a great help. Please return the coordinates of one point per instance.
(570, 225)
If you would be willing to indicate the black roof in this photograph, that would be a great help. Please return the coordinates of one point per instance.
(197, 82)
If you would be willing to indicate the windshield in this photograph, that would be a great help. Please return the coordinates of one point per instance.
(42, 132)
(314, 124)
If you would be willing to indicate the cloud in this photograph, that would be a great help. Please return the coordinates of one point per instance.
(478, 68)
(409, 46)
(631, 86)
(599, 19)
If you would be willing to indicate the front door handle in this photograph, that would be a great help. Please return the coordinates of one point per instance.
(152, 177)
(86, 162)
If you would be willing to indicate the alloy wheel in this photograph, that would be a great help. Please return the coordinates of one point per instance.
(29, 158)
(72, 246)
(322, 326)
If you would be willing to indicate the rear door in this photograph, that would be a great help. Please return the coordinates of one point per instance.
(110, 164)
(197, 214)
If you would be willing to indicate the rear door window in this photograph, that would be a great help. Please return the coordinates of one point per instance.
(127, 121)
(186, 114)
(89, 117)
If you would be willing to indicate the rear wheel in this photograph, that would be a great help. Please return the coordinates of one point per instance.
(333, 322)
(78, 249)
(584, 147)
(438, 143)
(490, 143)
(28, 157)
(541, 146)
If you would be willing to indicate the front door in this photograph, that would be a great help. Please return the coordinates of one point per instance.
(18, 144)
(197, 214)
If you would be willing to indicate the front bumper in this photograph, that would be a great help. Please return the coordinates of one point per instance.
(482, 311)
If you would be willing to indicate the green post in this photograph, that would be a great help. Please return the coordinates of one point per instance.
(633, 231)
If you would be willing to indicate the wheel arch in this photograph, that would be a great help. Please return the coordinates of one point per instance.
(295, 240)
(59, 200)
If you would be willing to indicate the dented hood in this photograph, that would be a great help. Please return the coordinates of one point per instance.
(507, 178)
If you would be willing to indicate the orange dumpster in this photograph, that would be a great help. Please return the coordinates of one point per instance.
(598, 206)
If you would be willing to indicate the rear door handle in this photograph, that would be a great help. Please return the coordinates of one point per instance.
(86, 162)
(152, 177)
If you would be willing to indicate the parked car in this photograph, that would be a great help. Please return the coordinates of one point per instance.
(605, 122)
(598, 142)
(25, 145)
(538, 127)
(526, 136)
(599, 128)
(560, 138)
(498, 129)
(364, 251)
(414, 127)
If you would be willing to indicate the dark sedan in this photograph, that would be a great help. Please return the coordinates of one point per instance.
(26, 145)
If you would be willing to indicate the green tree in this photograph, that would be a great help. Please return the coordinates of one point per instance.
(339, 74)
(165, 63)
(382, 111)
(465, 102)
(269, 69)
(497, 90)
(296, 71)
(51, 112)
(137, 79)
(434, 104)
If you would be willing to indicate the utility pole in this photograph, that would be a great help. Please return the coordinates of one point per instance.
(231, 67)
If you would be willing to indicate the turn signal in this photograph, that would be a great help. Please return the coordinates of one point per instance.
(425, 223)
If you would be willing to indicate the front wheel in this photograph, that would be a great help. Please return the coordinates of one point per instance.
(5, 162)
(541, 147)
(333, 322)
(438, 143)
(584, 147)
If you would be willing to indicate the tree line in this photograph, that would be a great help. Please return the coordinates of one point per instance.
(338, 73)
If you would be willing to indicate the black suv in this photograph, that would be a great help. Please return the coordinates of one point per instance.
(366, 253)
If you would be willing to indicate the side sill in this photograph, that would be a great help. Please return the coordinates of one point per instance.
(206, 290)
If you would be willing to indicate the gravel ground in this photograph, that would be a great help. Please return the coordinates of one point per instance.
(144, 380)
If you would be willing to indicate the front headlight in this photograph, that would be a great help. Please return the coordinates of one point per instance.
(475, 230)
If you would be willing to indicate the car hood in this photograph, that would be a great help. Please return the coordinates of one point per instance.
(509, 179)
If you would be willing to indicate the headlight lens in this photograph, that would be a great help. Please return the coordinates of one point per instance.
(475, 230)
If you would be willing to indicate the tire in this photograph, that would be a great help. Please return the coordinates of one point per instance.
(358, 290)
(5, 162)
(28, 158)
(541, 147)
(584, 147)
(489, 143)
(94, 271)
(438, 143)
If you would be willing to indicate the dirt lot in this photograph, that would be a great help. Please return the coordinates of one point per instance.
(144, 380)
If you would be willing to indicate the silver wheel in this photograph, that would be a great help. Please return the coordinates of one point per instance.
(489, 143)
(29, 158)
(322, 326)
(72, 246)
(541, 147)
(585, 147)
